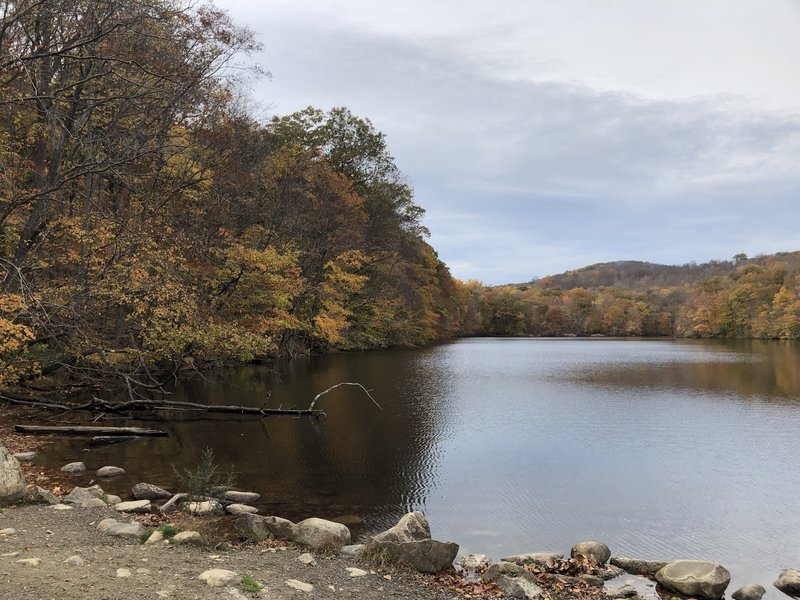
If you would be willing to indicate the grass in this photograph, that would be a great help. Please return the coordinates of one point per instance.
(168, 530)
(249, 585)
(379, 555)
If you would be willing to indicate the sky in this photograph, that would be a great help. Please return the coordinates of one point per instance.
(546, 135)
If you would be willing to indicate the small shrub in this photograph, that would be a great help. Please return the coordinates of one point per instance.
(169, 531)
(249, 585)
(206, 480)
(379, 555)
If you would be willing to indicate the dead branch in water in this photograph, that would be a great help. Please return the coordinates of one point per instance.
(333, 387)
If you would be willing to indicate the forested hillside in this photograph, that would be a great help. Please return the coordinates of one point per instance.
(150, 225)
(743, 298)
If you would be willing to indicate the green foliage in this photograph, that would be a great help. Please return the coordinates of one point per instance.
(206, 480)
(249, 585)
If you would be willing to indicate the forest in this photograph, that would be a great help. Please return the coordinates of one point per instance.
(152, 225)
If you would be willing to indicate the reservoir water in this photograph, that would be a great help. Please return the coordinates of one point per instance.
(662, 449)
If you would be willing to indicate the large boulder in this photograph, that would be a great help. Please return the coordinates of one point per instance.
(411, 527)
(789, 582)
(256, 527)
(84, 496)
(695, 578)
(425, 556)
(597, 551)
(12, 481)
(636, 566)
(320, 533)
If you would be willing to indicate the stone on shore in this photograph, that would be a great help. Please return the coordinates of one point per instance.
(475, 562)
(352, 549)
(134, 506)
(300, 586)
(30, 562)
(751, 591)
(425, 556)
(25, 456)
(240, 509)
(148, 491)
(626, 591)
(80, 495)
(74, 561)
(540, 559)
(307, 559)
(218, 577)
(154, 538)
(74, 467)
(356, 572)
(12, 481)
(636, 566)
(236, 497)
(597, 551)
(119, 529)
(789, 582)
(39, 495)
(514, 581)
(187, 537)
(321, 533)
(110, 471)
(206, 507)
(411, 527)
(695, 578)
(256, 527)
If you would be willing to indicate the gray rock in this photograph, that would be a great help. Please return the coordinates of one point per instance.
(207, 507)
(348, 520)
(256, 527)
(789, 582)
(134, 506)
(25, 456)
(411, 527)
(154, 538)
(12, 481)
(609, 572)
(79, 495)
(356, 572)
(112, 499)
(94, 503)
(62, 507)
(74, 467)
(751, 591)
(74, 561)
(119, 529)
(572, 581)
(30, 562)
(510, 569)
(597, 551)
(540, 559)
(352, 549)
(320, 533)
(635, 566)
(300, 586)
(519, 588)
(425, 556)
(307, 559)
(626, 591)
(39, 495)
(110, 471)
(218, 577)
(695, 578)
(187, 537)
(236, 497)
(475, 562)
(148, 491)
(240, 509)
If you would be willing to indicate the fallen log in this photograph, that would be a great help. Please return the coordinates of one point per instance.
(90, 430)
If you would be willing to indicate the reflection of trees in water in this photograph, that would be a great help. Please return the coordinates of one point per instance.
(767, 370)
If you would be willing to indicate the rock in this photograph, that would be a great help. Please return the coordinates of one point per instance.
(256, 527)
(751, 591)
(240, 497)
(188, 537)
(25, 456)
(519, 588)
(80, 495)
(320, 533)
(541, 559)
(576, 580)
(348, 520)
(12, 481)
(475, 562)
(148, 491)
(635, 566)
(123, 573)
(425, 556)
(112, 500)
(356, 572)
(119, 529)
(491, 574)
(94, 503)
(154, 538)
(110, 471)
(597, 551)
(626, 591)
(300, 586)
(608, 571)
(7, 531)
(307, 559)
(695, 578)
(74, 467)
(61, 507)
(74, 561)
(218, 577)
(240, 509)
(31, 562)
(352, 549)
(39, 495)
(134, 506)
(411, 527)
(206, 507)
(789, 582)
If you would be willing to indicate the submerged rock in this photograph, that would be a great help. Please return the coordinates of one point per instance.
(695, 578)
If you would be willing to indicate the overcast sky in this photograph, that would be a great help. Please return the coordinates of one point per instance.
(546, 135)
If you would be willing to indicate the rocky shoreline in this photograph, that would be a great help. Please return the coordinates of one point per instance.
(590, 571)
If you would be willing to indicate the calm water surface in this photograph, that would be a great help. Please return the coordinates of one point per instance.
(661, 449)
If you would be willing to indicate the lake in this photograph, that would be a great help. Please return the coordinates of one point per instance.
(662, 449)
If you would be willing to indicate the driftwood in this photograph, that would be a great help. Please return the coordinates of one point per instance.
(90, 430)
(106, 440)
